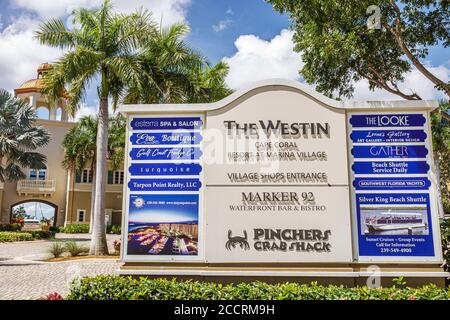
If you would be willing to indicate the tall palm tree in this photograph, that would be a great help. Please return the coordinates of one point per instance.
(167, 64)
(116, 141)
(175, 73)
(19, 137)
(209, 84)
(80, 148)
(102, 45)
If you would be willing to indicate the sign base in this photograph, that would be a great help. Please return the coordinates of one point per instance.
(347, 274)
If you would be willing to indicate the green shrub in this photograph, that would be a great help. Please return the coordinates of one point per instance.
(114, 229)
(107, 287)
(7, 236)
(10, 227)
(75, 249)
(41, 234)
(54, 229)
(75, 228)
(57, 249)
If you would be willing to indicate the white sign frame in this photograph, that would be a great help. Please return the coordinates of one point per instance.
(201, 224)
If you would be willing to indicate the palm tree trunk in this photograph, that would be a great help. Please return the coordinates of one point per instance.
(91, 222)
(98, 242)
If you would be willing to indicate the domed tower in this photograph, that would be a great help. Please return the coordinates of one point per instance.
(30, 91)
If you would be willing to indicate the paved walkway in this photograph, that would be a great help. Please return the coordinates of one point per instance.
(24, 274)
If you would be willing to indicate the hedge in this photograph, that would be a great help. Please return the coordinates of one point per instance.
(75, 228)
(6, 236)
(10, 227)
(41, 234)
(114, 229)
(107, 287)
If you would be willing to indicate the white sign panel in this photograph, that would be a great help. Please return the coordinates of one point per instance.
(276, 138)
(281, 224)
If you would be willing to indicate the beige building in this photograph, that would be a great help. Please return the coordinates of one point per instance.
(56, 194)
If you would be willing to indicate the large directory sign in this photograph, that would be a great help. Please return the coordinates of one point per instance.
(163, 187)
(390, 161)
(280, 175)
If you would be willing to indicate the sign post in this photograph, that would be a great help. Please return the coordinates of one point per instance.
(279, 181)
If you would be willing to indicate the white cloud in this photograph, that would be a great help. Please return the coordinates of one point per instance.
(85, 110)
(222, 25)
(20, 53)
(91, 109)
(169, 11)
(258, 59)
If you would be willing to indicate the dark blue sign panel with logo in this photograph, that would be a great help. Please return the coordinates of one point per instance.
(165, 138)
(377, 136)
(389, 151)
(390, 167)
(394, 224)
(176, 153)
(387, 120)
(166, 123)
(406, 183)
(176, 184)
(165, 169)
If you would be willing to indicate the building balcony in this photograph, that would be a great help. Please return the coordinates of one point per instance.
(36, 187)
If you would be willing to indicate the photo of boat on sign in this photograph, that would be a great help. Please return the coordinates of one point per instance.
(394, 221)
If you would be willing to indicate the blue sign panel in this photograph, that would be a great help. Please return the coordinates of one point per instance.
(389, 226)
(165, 138)
(387, 120)
(390, 167)
(163, 199)
(165, 169)
(396, 151)
(407, 183)
(373, 136)
(166, 123)
(164, 184)
(188, 153)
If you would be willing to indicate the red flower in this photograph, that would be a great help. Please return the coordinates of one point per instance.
(53, 296)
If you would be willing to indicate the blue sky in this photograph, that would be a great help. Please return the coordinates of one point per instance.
(238, 17)
(251, 37)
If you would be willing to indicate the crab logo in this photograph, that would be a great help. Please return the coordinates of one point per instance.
(235, 241)
(138, 202)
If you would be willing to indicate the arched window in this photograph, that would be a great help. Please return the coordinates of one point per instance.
(43, 113)
(59, 114)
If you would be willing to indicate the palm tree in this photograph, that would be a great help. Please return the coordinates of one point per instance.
(116, 141)
(19, 137)
(167, 64)
(209, 84)
(80, 147)
(175, 73)
(106, 46)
